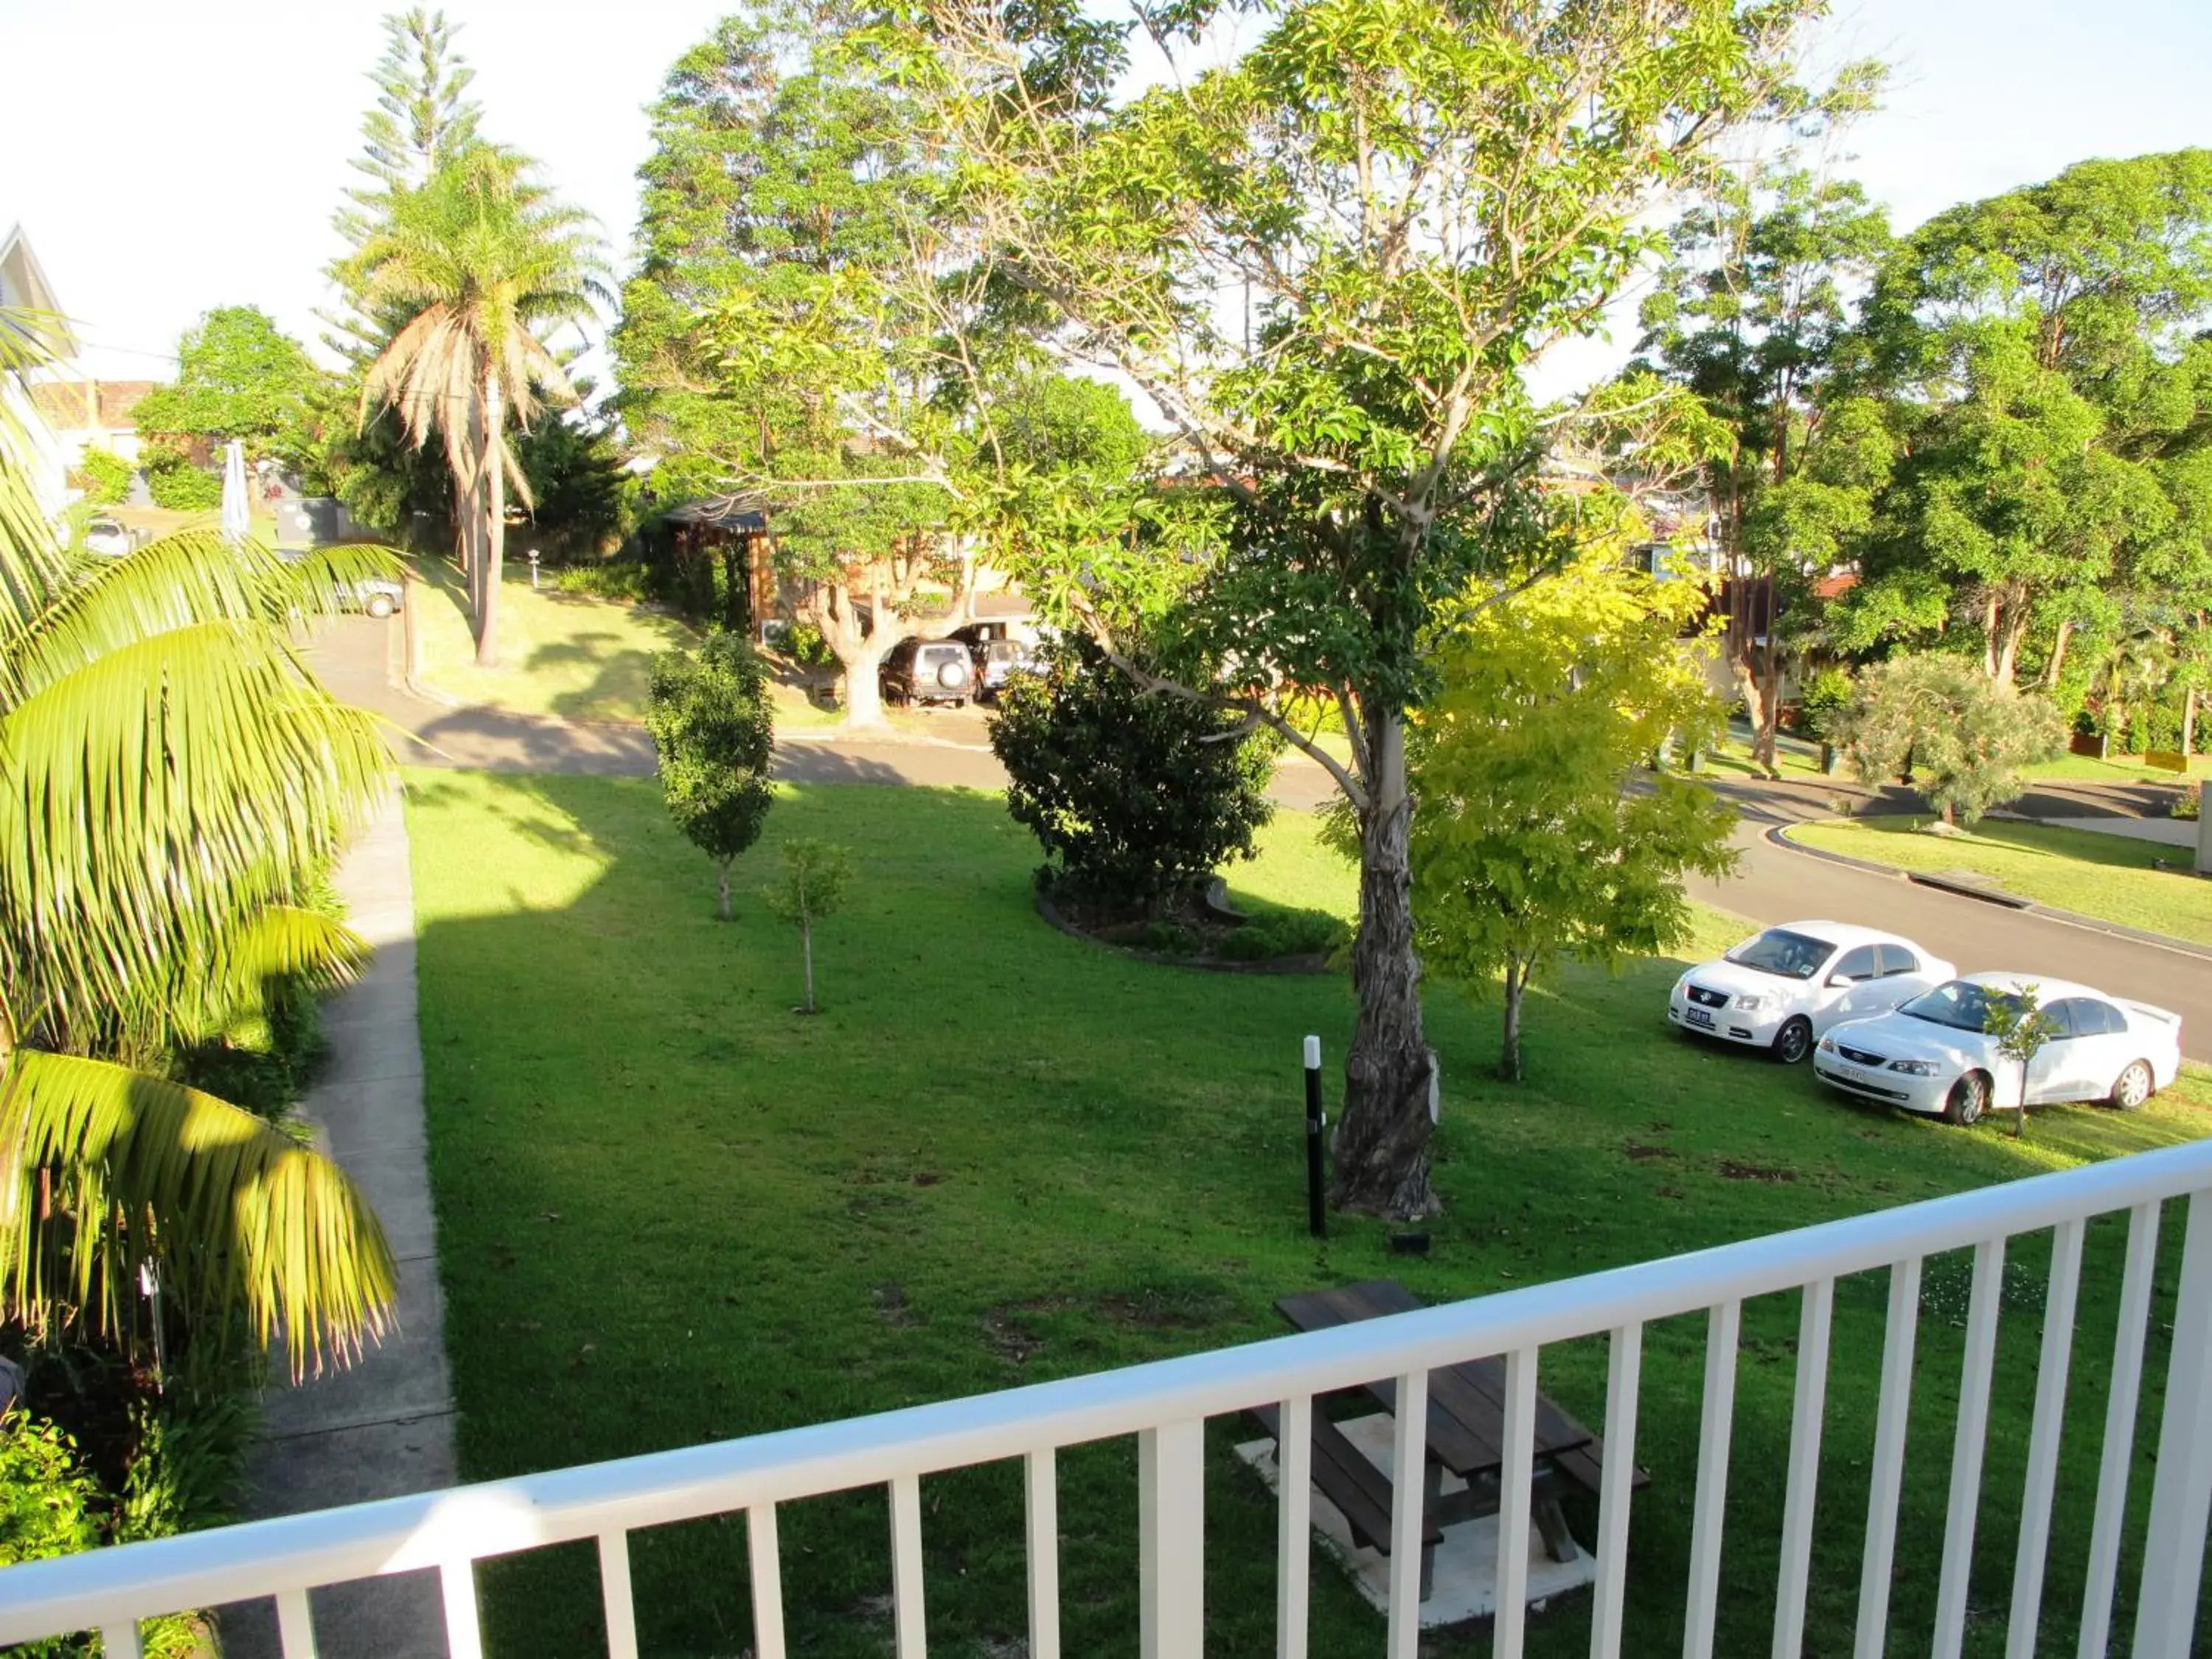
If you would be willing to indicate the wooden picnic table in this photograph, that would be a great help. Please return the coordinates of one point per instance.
(1465, 1435)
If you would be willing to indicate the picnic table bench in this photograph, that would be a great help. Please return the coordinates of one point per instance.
(1465, 1434)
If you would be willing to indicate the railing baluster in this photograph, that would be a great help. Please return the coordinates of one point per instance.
(1616, 1485)
(457, 1581)
(911, 1626)
(2120, 1401)
(1171, 1540)
(1714, 1427)
(2043, 1441)
(1887, 1477)
(1041, 1495)
(2181, 1489)
(765, 1563)
(120, 1640)
(1409, 1452)
(1966, 1447)
(1807, 1415)
(614, 1595)
(1514, 1480)
(295, 1624)
(1294, 1526)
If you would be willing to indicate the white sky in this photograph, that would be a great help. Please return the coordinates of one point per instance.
(165, 158)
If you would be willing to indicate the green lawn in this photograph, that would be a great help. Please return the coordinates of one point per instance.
(670, 1212)
(560, 653)
(2120, 768)
(2108, 877)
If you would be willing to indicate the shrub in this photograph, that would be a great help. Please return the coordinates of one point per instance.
(1825, 695)
(179, 485)
(1136, 797)
(708, 713)
(1963, 737)
(804, 644)
(104, 475)
(614, 579)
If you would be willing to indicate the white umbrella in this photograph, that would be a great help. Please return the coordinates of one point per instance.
(237, 514)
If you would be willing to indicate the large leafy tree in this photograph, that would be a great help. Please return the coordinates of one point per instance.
(1962, 740)
(240, 376)
(790, 335)
(482, 260)
(2049, 383)
(1748, 316)
(170, 774)
(1531, 845)
(1327, 260)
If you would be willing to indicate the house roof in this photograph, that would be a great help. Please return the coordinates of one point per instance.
(78, 405)
(23, 282)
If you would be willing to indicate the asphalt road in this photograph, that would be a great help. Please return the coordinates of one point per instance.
(358, 658)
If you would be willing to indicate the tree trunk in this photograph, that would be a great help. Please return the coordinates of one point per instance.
(2189, 722)
(864, 688)
(2057, 663)
(722, 894)
(807, 955)
(1382, 1146)
(495, 489)
(1760, 705)
(1508, 1057)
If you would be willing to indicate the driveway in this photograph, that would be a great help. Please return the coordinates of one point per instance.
(357, 658)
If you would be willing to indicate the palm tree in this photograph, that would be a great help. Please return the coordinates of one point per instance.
(483, 259)
(169, 771)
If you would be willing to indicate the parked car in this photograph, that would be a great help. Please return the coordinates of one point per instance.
(380, 596)
(108, 536)
(1933, 1054)
(928, 670)
(1781, 989)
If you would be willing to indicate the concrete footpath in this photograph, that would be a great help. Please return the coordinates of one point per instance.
(384, 1427)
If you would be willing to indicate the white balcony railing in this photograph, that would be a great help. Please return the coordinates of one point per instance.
(1166, 1405)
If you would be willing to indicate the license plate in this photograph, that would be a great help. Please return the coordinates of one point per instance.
(1698, 1017)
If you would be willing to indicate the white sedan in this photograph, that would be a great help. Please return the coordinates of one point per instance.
(1781, 989)
(1933, 1054)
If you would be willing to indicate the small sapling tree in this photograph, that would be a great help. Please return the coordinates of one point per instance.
(2022, 1025)
(708, 713)
(812, 885)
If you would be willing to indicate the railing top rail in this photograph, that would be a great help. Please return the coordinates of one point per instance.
(401, 1534)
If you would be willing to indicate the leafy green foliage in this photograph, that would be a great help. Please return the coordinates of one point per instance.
(237, 376)
(1963, 738)
(1137, 797)
(45, 1497)
(105, 475)
(1528, 849)
(712, 726)
(176, 483)
(614, 579)
(2050, 401)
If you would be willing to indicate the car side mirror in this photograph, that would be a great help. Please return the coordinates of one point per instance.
(1843, 979)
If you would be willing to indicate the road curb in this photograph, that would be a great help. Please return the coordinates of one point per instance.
(1778, 835)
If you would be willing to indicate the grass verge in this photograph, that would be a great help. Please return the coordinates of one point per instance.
(668, 1212)
(2108, 877)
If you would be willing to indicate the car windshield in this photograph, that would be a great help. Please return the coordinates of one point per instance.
(1779, 951)
(1002, 651)
(1962, 1006)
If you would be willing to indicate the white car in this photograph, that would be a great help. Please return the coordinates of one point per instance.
(1781, 989)
(1933, 1055)
(107, 537)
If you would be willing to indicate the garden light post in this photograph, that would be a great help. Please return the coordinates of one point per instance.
(533, 570)
(1316, 1214)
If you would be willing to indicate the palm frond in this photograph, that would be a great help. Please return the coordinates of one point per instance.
(272, 943)
(105, 1168)
(150, 796)
(32, 562)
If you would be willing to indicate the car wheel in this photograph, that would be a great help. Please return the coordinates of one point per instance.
(1969, 1097)
(379, 606)
(2136, 1085)
(1793, 1041)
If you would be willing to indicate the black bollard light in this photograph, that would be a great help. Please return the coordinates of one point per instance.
(1316, 1216)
